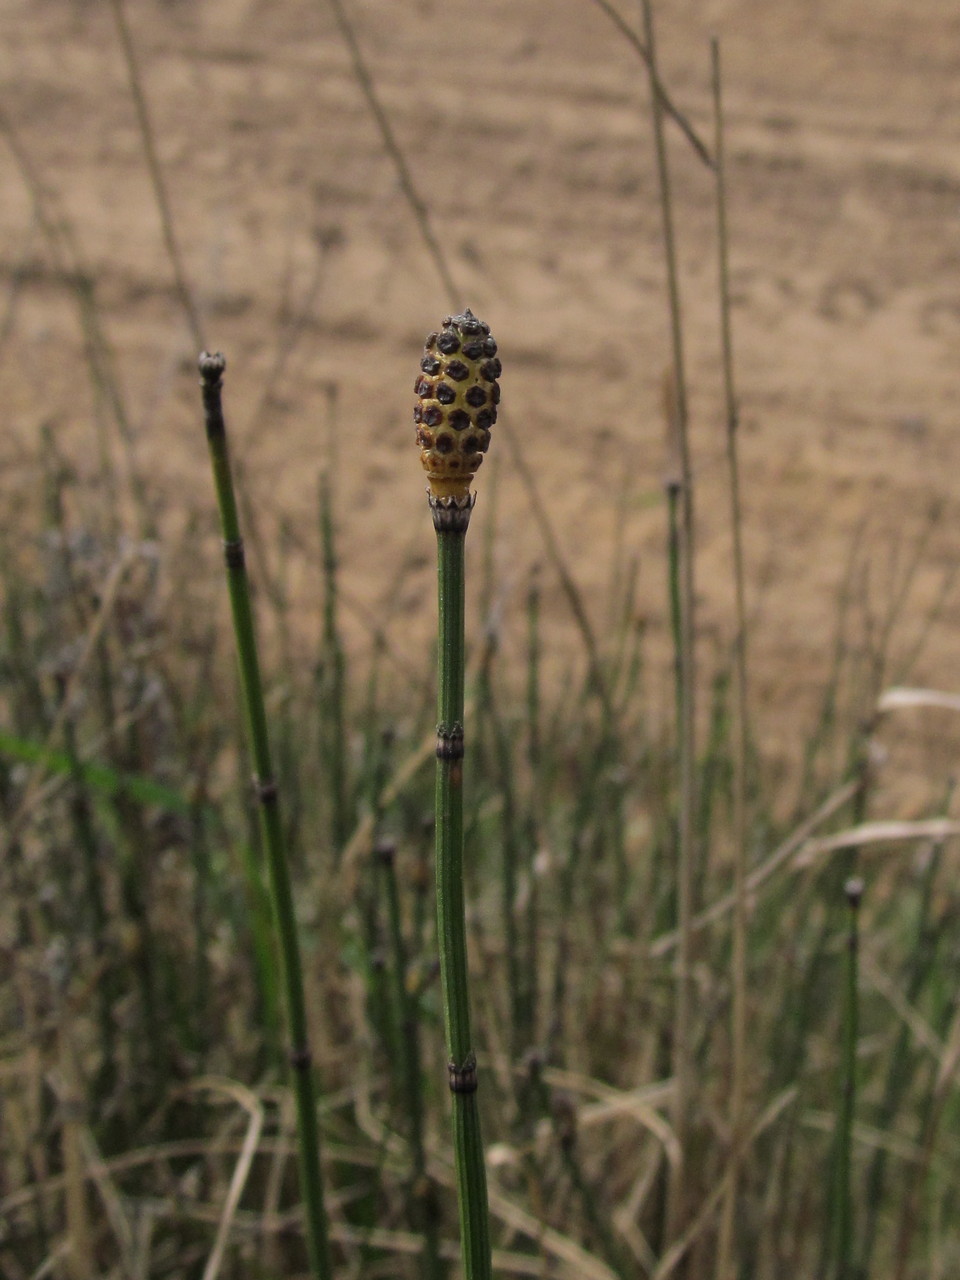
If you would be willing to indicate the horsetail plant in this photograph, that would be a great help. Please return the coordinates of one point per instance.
(457, 393)
(211, 381)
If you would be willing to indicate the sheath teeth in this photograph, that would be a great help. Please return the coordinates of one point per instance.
(457, 396)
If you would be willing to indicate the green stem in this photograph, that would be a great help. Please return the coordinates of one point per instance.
(211, 370)
(334, 668)
(451, 518)
(684, 1062)
(843, 1201)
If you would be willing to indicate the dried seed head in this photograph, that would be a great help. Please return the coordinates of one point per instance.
(457, 398)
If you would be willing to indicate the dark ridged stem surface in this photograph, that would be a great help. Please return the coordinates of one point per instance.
(211, 371)
(451, 517)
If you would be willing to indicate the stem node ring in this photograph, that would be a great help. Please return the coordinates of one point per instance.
(450, 742)
(463, 1079)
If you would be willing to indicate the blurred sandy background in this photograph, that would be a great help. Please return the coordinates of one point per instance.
(526, 127)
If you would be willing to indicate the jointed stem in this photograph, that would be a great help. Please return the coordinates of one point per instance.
(451, 525)
(211, 369)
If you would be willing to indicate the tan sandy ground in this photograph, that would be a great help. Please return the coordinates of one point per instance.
(527, 131)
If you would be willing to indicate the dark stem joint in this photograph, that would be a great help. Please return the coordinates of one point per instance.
(212, 365)
(385, 850)
(463, 1079)
(451, 515)
(265, 789)
(211, 380)
(300, 1059)
(233, 553)
(450, 742)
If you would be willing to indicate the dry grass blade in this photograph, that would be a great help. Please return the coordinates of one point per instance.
(577, 1263)
(876, 833)
(99, 1173)
(899, 699)
(678, 1251)
(404, 1242)
(282, 1150)
(669, 106)
(949, 1059)
(612, 1104)
(572, 1260)
(866, 1136)
(881, 982)
(51, 1265)
(782, 854)
(254, 1109)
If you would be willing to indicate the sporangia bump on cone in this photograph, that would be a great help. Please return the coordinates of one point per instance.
(457, 398)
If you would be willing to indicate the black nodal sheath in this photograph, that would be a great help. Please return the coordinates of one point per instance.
(234, 554)
(211, 381)
(265, 790)
(301, 1059)
(450, 742)
(463, 1079)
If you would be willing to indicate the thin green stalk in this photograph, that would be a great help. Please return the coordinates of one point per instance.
(534, 817)
(923, 955)
(738, 964)
(842, 1214)
(78, 278)
(683, 1038)
(92, 867)
(211, 370)
(674, 590)
(503, 770)
(334, 677)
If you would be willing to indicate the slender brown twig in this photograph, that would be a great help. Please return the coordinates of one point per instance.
(669, 106)
(148, 138)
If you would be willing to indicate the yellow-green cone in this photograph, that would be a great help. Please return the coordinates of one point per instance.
(458, 395)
